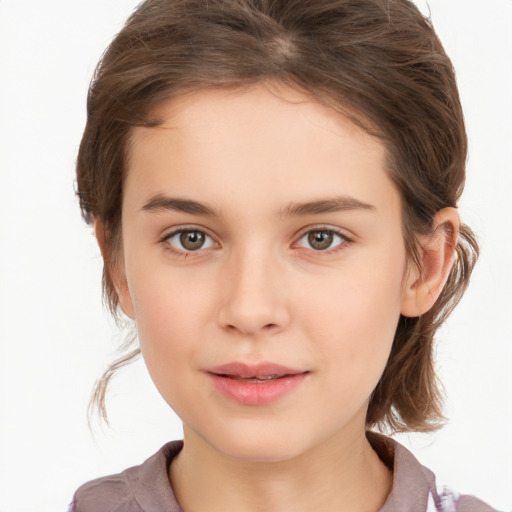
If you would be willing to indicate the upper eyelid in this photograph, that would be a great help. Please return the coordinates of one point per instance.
(322, 227)
(302, 231)
(173, 231)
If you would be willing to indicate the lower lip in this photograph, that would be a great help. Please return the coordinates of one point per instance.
(256, 393)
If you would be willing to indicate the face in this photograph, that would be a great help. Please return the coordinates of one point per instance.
(264, 263)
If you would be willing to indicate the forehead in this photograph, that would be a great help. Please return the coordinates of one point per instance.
(265, 105)
(261, 145)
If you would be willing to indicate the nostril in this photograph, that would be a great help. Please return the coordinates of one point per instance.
(250, 332)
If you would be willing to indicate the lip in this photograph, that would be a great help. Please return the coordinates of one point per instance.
(243, 370)
(229, 380)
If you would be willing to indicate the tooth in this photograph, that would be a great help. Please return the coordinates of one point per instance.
(256, 378)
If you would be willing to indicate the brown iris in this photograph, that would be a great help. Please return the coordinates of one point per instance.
(192, 240)
(320, 240)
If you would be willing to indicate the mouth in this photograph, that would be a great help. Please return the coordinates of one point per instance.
(256, 378)
(262, 372)
(258, 384)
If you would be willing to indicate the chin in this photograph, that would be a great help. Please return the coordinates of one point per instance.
(264, 444)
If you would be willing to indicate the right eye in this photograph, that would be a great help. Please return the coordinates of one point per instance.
(188, 240)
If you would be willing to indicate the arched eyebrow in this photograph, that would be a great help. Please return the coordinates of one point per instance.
(329, 205)
(160, 202)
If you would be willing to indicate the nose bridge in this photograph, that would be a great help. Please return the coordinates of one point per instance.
(252, 298)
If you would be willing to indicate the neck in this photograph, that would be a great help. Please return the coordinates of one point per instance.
(344, 473)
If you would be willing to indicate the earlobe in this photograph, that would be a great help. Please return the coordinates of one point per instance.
(437, 252)
(115, 269)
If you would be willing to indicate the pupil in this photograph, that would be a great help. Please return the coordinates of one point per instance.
(320, 239)
(192, 240)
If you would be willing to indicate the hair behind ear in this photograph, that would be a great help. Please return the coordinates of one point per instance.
(109, 247)
(409, 395)
(115, 288)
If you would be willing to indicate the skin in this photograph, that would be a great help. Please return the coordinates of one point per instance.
(258, 290)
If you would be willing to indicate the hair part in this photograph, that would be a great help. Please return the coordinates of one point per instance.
(378, 62)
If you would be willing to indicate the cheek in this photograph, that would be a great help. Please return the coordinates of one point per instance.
(353, 318)
(364, 297)
(170, 316)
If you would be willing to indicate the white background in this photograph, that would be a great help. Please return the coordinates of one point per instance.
(56, 339)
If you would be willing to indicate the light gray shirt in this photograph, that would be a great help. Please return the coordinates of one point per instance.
(146, 488)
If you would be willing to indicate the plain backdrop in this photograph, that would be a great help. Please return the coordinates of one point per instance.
(56, 339)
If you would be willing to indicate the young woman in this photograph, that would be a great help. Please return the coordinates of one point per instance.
(274, 187)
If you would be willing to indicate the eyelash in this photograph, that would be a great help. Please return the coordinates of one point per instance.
(345, 240)
(183, 254)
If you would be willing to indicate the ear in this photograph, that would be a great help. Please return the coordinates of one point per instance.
(437, 254)
(115, 268)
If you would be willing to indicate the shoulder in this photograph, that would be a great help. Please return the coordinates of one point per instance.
(142, 488)
(110, 494)
(415, 488)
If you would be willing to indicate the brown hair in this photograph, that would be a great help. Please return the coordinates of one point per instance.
(378, 61)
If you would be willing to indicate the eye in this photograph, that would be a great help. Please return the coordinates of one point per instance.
(322, 239)
(188, 240)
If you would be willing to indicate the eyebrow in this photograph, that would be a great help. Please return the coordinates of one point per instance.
(161, 202)
(335, 204)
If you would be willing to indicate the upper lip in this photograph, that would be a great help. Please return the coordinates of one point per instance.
(243, 370)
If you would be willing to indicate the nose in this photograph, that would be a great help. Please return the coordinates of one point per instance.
(253, 298)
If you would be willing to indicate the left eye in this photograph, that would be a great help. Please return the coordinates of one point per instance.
(189, 240)
(321, 239)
